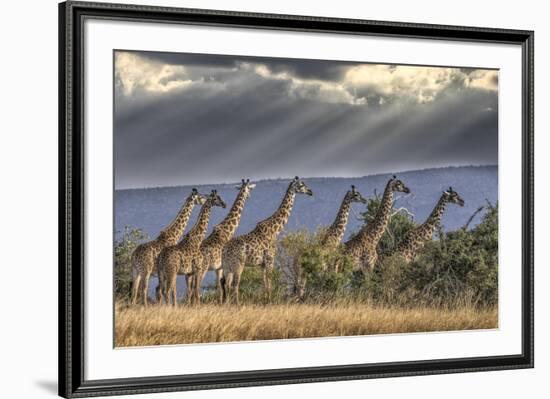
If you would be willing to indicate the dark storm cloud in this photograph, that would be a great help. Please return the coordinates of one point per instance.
(274, 122)
(303, 68)
(189, 59)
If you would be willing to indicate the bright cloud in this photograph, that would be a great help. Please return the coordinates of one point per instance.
(422, 84)
(359, 85)
(482, 79)
(133, 73)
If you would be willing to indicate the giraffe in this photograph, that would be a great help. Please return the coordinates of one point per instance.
(413, 242)
(335, 232)
(145, 255)
(258, 246)
(211, 248)
(362, 247)
(178, 258)
(332, 236)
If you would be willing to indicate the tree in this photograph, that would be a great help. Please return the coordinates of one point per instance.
(124, 247)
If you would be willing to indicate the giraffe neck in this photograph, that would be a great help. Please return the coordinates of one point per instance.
(373, 231)
(338, 227)
(435, 217)
(198, 231)
(172, 233)
(275, 223)
(415, 240)
(226, 228)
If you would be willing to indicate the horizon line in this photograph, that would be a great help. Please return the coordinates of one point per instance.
(319, 177)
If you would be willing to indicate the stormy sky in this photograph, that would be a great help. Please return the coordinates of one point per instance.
(202, 119)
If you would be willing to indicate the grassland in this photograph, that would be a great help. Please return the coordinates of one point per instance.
(162, 325)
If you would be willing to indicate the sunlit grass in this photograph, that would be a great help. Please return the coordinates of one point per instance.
(161, 325)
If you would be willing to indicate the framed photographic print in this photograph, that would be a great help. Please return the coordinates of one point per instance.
(251, 199)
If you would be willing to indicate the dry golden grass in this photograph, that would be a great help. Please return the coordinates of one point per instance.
(162, 325)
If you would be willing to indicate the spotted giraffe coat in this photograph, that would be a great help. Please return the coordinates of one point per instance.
(415, 240)
(145, 255)
(335, 232)
(362, 248)
(211, 248)
(257, 248)
(177, 259)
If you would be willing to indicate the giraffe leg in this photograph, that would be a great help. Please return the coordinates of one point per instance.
(166, 285)
(219, 276)
(197, 279)
(189, 288)
(268, 272)
(135, 288)
(267, 282)
(364, 262)
(236, 284)
(198, 282)
(157, 293)
(186, 277)
(174, 288)
(145, 290)
(160, 293)
(193, 282)
(169, 295)
(164, 292)
(228, 288)
(372, 261)
(197, 294)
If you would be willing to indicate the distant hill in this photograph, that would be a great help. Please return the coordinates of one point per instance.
(151, 209)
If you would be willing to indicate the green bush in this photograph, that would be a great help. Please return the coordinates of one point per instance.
(313, 272)
(458, 267)
(251, 288)
(124, 247)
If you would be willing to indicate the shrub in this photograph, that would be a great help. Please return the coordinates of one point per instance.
(458, 267)
(313, 273)
(123, 249)
(251, 288)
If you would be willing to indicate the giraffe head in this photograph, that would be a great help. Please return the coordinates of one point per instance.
(299, 187)
(355, 196)
(215, 200)
(452, 197)
(397, 185)
(196, 198)
(245, 188)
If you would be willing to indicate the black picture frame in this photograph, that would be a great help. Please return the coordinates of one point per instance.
(71, 200)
